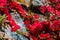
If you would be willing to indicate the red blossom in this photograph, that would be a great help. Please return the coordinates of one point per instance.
(45, 23)
(15, 28)
(32, 29)
(43, 36)
(35, 27)
(56, 22)
(11, 20)
(57, 6)
(27, 22)
(28, 17)
(50, 9)
(54, 25)
(42, 9)
(52, 17)
(51, 26)
(34, 38)
(38, 24)
(3, 3)
(35, 16)
(58, 13)
(18, 7)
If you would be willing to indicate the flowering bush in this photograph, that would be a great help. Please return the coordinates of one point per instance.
(48, 29)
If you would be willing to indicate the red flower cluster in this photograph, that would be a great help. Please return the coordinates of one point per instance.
(27, 22)
(18, 7)
(3, 3)
(42, 9)
(43, 36)
(34, 38)
(55, 25)
(52, 7)
(35, 16)
(11, 20)
(51, 27)
(35, 27)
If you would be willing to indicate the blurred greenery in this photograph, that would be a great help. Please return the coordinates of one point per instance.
(2, 18)
(2, 21)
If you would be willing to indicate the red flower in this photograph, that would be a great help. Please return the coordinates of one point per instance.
(18, 7)
(42, 9)
(28, 17)
(15, 28)
(54, 25)
(35, 27)
(36, 16)
(58, 13)
(6, 11)
(50, 9)
(38, 24)
(27, 22)
(3, 3)
(32, 29)
(57, 6)
(51, 26)
(11, 20)
(43, 36)
(45, 23)
(56, 22)
(34, 38)
(52, 17)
